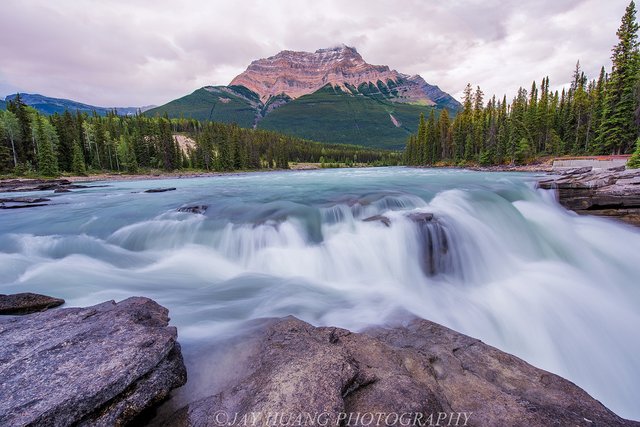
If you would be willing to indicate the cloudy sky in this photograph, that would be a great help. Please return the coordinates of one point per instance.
(140, 52)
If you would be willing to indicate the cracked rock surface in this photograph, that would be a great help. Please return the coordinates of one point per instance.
(418, 368)
(613, 193)
(96, 366)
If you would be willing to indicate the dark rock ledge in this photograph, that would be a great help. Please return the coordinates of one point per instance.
(26, 303)
(97, 366)
(613, 193)
(419, 368)
(19, 185)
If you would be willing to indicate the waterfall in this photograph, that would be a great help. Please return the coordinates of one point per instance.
(487, 255)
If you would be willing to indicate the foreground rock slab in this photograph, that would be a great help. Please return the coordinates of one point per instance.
(99, 366)
(613, 193)
(298, 374)
(26, 303)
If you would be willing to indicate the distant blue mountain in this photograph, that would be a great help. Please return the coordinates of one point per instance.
(48, 106)
(3, 105)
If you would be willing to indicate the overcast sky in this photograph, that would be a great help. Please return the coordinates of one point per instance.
(140, 52)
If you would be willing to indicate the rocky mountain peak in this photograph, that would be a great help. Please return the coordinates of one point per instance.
(299, 73)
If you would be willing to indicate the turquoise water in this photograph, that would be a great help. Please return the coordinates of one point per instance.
(500, 261)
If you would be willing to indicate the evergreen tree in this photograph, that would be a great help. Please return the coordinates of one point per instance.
(431, 140)
(46, 142)
(25, 145)
(618, 130)
(78, 166)
(421, 155)
(446, 138)
(634, 160)
(11, 128)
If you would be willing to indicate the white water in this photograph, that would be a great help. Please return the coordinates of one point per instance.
(508, 265)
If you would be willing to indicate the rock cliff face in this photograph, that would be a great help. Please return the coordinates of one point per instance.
(300, 73)
(299, 375)
(613, 193)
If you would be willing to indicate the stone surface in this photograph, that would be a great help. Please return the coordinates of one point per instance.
(26, 303)
(612, 193)
(381, 218)
(21, 185)
(22, 202)
(159, 190)
(420, 368)
(198, 209)
(97, 366)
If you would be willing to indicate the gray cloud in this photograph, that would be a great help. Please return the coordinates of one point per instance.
(114, 53)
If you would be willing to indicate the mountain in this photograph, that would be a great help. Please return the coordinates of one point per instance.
(330, 95)
(3, 105)
(48, 105)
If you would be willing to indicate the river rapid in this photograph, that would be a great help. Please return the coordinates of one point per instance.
(499, 260)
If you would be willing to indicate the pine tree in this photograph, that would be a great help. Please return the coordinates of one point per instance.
(421, 155)
(444, 130)
(11, 128)
(431, 140)
(24, 143)
(618, 130)
(46, 141)
(634, 160)
(78, 165)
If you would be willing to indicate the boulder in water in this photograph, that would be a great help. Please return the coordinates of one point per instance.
(435, 255)
(198, 209)
(22, 202)
(25, 303)
(159, 190)
(97, 366)
(419, 217)
(383, 219)
(421, 371)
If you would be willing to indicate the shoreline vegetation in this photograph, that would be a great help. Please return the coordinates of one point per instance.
(591, 117)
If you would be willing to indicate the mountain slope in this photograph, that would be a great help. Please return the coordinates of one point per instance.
(332, 115)
(48, 105)
(331, 95)
(217, 103)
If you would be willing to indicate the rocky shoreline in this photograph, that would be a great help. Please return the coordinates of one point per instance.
(112, 363)
(612, 193)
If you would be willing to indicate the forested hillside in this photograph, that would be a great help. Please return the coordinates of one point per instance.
(31, 143)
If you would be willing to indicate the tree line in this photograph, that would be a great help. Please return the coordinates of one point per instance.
(591, 117)
(78, 143)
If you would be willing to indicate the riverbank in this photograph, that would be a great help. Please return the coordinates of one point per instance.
(612, 193)
(38, 184)
(42, 184)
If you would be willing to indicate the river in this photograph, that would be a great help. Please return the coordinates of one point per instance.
(500, 261)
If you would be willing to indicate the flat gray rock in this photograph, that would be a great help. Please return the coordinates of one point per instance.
(613, 193)
(26, 303)
(100, 366)
(421, 368)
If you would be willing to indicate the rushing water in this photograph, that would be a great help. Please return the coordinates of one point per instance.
(500, 261)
